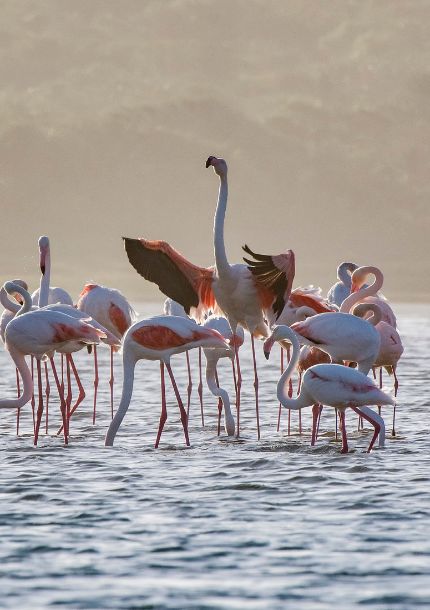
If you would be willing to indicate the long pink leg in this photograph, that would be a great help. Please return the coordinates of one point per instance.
(96, 383)
(190, 383)
(374, 423)
(336, 433)
(316, 416)
(238, 386)
(111, 381)
(200, 387)
(47, 395)
(60, 389)
(163, 414)
(81, 395)
(290, 382)
(180, 404)
(280, 405)
(343, 429)
(33, 402)
(319, 420)
(257, 413)
(315, 413)
(69, 388)
(396, 387)
(18, 393)
(219, 405)
(380, 387)
(40, 405)
(62, 372)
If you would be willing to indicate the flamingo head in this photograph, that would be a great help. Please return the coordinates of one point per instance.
(219, 165)
(43, 252)
(268, 344)
(16, 295)
(358, 279)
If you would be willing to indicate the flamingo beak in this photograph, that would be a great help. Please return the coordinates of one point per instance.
(209, 161)
(267, 346)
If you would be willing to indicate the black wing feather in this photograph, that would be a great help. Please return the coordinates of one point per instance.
(269, 276)
(155, 266)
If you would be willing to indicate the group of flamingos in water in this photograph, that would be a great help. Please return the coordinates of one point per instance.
(333, 342)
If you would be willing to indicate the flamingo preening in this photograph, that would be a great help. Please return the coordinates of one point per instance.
(332, 385)
(341, 289)
(159, 338)
(245, 294)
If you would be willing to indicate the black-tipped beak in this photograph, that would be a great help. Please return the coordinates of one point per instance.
(266, 355)
(42, 268)
(208, 162)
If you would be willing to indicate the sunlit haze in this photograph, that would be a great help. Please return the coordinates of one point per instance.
(109, 110)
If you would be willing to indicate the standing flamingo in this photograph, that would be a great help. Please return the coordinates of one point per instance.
(244, 293)
(212, 355)
(159, 338)
(41, 333)
(112, 310)
(332, 385)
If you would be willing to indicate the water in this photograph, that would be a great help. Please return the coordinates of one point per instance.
(224, 524)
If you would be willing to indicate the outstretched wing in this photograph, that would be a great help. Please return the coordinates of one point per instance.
(177, 278)
(274, 275)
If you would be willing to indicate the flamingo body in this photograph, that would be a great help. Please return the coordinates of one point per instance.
(343, 336)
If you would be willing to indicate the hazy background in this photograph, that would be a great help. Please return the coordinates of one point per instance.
(109, 110)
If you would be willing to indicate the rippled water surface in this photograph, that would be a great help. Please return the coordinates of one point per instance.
(222, 524)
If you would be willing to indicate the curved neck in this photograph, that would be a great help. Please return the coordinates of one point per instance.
(221, 261)
(343, 274)
(129, 364)
(212, 384)
(282, 389)
(217, 391)
(7, 303)
(27, 302)
(361, 294)
(24, 371)
(363, 308)
(45, 279)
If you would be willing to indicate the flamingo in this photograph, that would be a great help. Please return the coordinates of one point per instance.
(41, 333)
(43, 296)
(111, 309)
(343, 336)
(212, 355)
(243, 293)
(333, 385)
(368, 294)
(342, 289)
(159, 338)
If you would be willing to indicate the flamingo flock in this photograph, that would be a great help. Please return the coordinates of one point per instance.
(209, 308)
